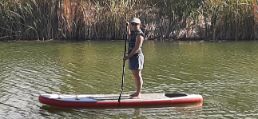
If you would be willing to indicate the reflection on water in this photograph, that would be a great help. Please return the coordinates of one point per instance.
(165, 112)
(224, 73)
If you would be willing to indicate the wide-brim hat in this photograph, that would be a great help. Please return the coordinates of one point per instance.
(136, 20)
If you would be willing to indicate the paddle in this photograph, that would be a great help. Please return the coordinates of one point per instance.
(123, 74)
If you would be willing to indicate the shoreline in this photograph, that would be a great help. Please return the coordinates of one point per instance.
(83, 41)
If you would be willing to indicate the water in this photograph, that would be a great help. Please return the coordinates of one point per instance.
(226, 74)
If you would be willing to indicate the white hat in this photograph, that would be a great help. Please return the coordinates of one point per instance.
(136, 20)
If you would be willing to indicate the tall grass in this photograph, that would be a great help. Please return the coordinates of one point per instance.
(230, 19)
(255, 12)
(105, 19)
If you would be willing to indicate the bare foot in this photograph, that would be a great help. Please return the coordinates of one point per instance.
(135, 96)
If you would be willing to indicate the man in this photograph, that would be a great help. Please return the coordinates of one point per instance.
(135, 54)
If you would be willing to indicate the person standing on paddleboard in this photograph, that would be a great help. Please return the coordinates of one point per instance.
(135, 54)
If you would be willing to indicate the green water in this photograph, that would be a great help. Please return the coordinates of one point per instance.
(225, 74)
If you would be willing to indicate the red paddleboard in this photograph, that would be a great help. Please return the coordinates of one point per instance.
(111, 100)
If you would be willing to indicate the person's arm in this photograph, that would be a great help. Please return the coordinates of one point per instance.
(128, 29)
(138, 45)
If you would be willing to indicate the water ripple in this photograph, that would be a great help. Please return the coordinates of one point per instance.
(225, 77)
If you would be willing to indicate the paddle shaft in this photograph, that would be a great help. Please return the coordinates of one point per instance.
(123, 73)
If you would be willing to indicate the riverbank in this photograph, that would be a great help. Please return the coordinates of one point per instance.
(92, 20)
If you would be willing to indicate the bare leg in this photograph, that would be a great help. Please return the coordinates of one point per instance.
(138, 83)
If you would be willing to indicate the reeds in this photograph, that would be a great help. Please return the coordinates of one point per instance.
(105, 19)
(230, 19)
(28, 20)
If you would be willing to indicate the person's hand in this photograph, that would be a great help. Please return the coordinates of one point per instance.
(126, 58)
(127, 25)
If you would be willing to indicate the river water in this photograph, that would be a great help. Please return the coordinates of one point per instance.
(225, 74)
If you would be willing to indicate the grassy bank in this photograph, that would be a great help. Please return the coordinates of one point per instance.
(94, 19)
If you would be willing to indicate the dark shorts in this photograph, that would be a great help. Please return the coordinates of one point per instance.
(136, 62)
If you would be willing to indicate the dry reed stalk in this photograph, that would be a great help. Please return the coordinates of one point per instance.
(94, 19)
